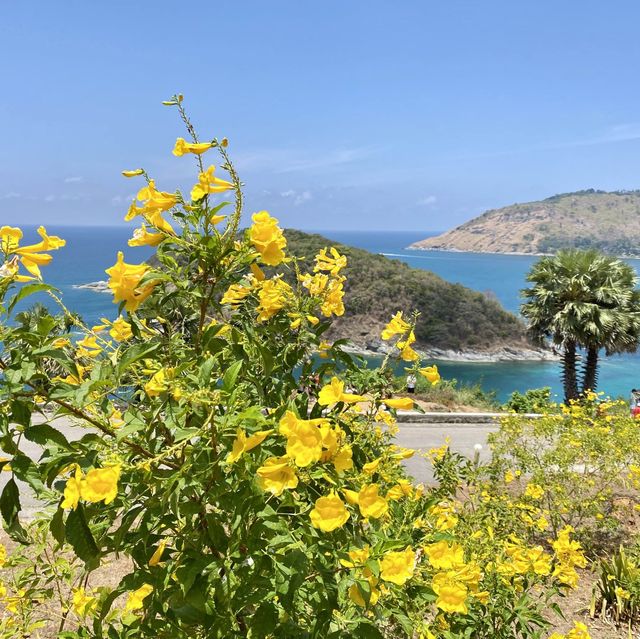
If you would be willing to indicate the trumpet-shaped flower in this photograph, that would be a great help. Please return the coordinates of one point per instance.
(208, 183)
(267, 238)
(397, 326)
(333, 393)
(371, 504)
(124, 281)
(398, 566)
(329, 513)
(135, 600)
(101, 484)
(430, 373)
(182, 146)
(277, 475)
(142, 237)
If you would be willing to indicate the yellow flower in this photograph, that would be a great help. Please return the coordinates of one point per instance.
(142, 237)
(407, 354)
(579, 631)
(370, 503)
(216, 219)
(124, 281)
(115, 419)
(333, 264)
(370, 467)
(132, 173)
(121, 330)
(333, 393)
(157, 555)
(398, 566)
(267, 238)
(10, 237)
(82, 603)
(534, 491)
(135, 598)
(357, 596)
(332, 302)
(243, 444)
(31, 256)
(182, 147)
(276, 475)
(3, 555)
(159, 383)
(397, 326)
(357, 557)
(343, 459)
(430, 373)
(403, 488)
(452, 593)
(235, 294)
(208, 183)
(329, 513)
(445, 516)
(304, 444)
(72, 490)
(273, 296)
(89, 347)
(443, 556)
(155, 200)
(101, 484)
(400, 403)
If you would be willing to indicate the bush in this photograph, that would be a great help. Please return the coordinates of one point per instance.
(244, 504)
(536, 400)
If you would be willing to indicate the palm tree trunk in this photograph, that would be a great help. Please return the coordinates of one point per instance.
(590, 377)
(569, 375)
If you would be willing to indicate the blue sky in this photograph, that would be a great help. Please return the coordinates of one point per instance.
(411, 115)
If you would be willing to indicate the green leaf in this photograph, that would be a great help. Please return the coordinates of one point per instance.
(229, 379)
(133, 354)
(264, 620)
(56, 526)
(29, 289)
(80, 537)
(10, 507)
(43, 434)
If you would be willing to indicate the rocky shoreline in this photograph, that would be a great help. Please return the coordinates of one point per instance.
(101, 286)
(503, 354)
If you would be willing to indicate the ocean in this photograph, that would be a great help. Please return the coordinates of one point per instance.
(90, 250)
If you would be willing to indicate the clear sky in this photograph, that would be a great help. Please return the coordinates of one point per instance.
(342, 114)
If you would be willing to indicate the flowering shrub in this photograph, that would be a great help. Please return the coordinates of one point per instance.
(246, 505)
(565, 469)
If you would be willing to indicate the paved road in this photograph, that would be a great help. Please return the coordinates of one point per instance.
(422, 437)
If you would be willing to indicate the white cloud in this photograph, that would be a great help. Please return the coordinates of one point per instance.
(12, 195)
(73, 179)
(428, 200)
(49, 198)
(297, 197)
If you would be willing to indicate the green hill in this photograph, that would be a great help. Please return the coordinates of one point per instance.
(452, 317)
(609, 222)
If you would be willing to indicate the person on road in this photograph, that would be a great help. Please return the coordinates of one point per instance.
(411, 383)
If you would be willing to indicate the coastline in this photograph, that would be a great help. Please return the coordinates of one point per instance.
(504, 354)
(412, 247)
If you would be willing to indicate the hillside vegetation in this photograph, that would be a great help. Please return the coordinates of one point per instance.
(452, 317)
(609, 222)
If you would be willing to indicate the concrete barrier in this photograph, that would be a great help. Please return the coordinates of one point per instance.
(413, 417)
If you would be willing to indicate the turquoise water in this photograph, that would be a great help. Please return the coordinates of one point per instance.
(90, 250)
(502, 276)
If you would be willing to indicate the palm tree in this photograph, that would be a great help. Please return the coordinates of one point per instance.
(583, 300)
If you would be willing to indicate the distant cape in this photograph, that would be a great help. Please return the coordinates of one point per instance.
(607, 221)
